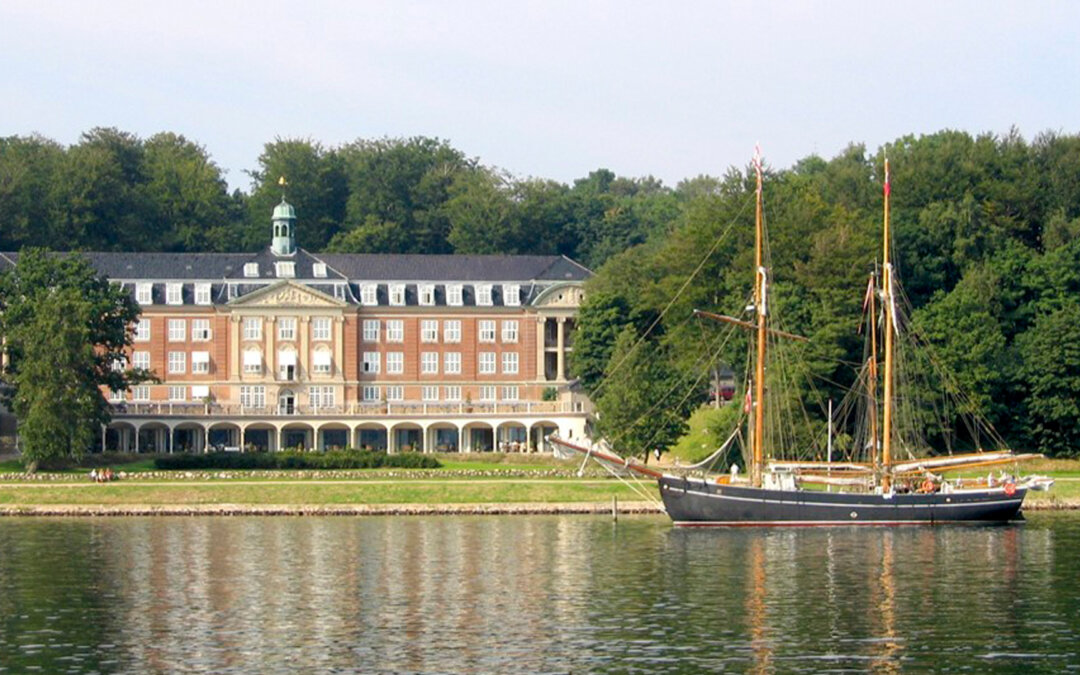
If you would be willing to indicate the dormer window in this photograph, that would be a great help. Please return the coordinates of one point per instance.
(511, 294)
(285, 270)
(251, 270)
(318, 270)
(397, 294)
(144, 294)
(369, 295)
(174, 294)
(427, 294)
(454, 295)
(483, 294)
(202, 294)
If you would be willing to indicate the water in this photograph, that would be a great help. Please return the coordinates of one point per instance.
(533, 594)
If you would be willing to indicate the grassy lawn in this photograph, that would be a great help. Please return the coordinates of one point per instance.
(439, 491)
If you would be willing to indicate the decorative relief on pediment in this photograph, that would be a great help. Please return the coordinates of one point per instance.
(288, 296)
(561, 296)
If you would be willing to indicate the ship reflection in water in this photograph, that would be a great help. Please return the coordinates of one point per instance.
(525, 594)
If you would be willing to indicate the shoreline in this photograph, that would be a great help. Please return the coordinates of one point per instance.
(489, 509)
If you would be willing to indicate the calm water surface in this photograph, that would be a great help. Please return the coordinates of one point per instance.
(533, 594)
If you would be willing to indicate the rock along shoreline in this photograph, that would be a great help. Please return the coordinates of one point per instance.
(103, 510)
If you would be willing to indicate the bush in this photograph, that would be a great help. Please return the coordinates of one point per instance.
(338, 459)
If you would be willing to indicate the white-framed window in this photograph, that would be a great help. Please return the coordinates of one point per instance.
(177, 362)
(318, 270)
(511, 294)
(429, 330)
(371, 330)
(454, 295)
(429, 363)
(452, 330)
(429, 393)
(321, 396)
(487, 392)
(395, 330)
(142, 330)
(510, 393)
(252, 396)
(371, 393)
(452, 363)
(322, 362)
(395, 363)
(452, 393)
(200, 362)
(510, 363)
(144, 294)
(510, 331)
(200, 330)
(140, 360)
(286, 328)
(118, 364)
(369, 295)
(116, 395)
(230, 291)
(200, 392)
(486, 363)
(320, 328)
(177, 330)
(339, 291)
(174, 294)
(202, 294)
(395, 392)
(426, 294)
(397, 294)
(253, 328)
(253, 362)
(284, 269)
(485, 330)
(140, 393)
(371, 362)
(286, 364)
(483, 294)
(177, 393)
(251, 270)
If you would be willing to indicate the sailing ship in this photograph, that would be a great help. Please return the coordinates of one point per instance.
(881, 491)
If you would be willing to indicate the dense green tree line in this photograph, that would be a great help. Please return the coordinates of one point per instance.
(986, 230)
(115, 191)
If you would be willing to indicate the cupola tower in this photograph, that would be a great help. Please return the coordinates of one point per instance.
(284, 241)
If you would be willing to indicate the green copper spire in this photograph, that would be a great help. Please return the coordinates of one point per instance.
(284, 241)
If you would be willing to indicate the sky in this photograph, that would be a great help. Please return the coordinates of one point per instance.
(551, 89)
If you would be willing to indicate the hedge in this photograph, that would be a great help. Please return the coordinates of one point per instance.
(338, 459)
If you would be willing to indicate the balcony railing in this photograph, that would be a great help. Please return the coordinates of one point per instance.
(403, 409)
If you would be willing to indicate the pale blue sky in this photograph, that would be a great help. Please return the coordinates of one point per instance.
(552, 89)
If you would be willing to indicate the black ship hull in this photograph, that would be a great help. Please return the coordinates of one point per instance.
(695, 502)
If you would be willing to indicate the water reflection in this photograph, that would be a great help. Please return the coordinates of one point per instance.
(553, 594)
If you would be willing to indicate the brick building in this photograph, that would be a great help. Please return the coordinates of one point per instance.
(286, 348)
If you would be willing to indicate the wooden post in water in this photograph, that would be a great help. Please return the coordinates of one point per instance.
(614, 507)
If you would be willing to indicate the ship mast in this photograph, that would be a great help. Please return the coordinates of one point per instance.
(760, 306)
(872, 374)
(886, 431)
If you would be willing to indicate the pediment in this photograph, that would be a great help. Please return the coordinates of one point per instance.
(569, 295)
(287, 294)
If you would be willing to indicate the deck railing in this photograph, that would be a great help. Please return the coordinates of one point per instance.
(402, 409)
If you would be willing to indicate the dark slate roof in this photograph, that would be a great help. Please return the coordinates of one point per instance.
(357, 267)
(415, 267)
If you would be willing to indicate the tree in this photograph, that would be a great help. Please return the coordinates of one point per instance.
(644, 404)
(64, 330)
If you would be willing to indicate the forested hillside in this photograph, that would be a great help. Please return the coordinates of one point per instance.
(986, 230)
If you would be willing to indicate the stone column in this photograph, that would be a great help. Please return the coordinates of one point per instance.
(268, 348)
(234, 348)
(302, 358)
(541, 323)
(339, 348)
(560, 369)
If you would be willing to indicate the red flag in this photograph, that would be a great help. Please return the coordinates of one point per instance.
(887, 188)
